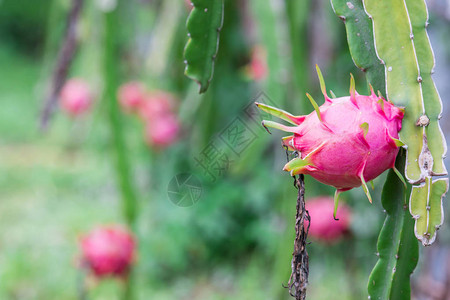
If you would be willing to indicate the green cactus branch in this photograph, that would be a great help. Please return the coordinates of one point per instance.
(203, 26)
(397, 247)
(360, 40)
(402, 43)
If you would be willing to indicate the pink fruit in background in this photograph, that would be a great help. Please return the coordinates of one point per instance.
(76, 97)
(162, 131)
(131, 95)
(346, 142)
(257, 68)
(108, 250)
(156, 104)
(323, 226)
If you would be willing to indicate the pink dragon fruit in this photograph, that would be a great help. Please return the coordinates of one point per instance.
(156, 103)
(108, 251)
(257, 69)
(346, 142)
(162, 130)
(131, 95)
(76, 97)
(323, 227)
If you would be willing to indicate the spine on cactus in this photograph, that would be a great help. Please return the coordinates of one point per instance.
(203, 26)
(402, 43)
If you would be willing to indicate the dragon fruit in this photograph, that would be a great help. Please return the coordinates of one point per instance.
(162, 130)
(257, 68)
(156, 103)
(108, 251)
(76, 97)
(322, 226)
(346, 142)
(131, 95)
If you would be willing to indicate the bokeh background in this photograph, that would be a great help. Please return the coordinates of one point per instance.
(236, 241)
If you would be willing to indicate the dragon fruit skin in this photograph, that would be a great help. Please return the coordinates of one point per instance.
(76, 97)
(322, 226)
(108, 251)
(346, 142)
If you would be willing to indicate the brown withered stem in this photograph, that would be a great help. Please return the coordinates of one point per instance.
(298, 280)
(65, 58)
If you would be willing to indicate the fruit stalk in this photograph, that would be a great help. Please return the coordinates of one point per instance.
(300, 259)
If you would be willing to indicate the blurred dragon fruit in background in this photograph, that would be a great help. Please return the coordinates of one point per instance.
(162, 131)
(323, 226)
(155, 109)
(257, 68)
(156, 104)
(131, 95)
(76, 97)
(108, 251)
(346, 142)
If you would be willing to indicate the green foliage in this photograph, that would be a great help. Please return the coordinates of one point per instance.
(22, 25)
(203, 26)
(360, 40)
(397, 247)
